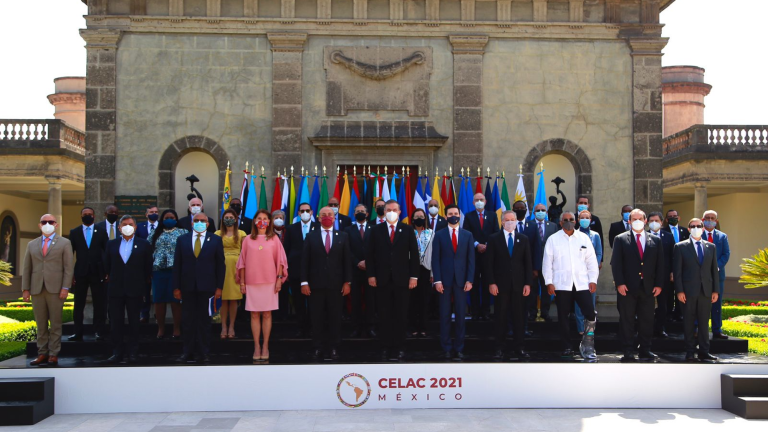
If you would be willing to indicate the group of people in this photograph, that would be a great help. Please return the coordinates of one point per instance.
(393, 273)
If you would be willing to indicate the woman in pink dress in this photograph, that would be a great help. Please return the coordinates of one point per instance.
(262, 268)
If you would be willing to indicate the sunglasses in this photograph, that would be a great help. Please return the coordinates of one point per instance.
(569, 220)
(333, 205)
(696, 226)
(49, 222)
(305, 211)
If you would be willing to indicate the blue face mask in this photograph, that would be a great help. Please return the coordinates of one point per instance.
(169, 223)
(540, 215)
(199, 227)
(584, 223)
(582, 207)
(709, 224)
(625, 216)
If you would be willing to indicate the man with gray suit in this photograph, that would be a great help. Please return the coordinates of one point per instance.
(47, 277)
(694, 267)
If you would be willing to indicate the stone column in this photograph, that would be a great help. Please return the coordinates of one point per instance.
(433, 10)
(576, 10)
(97, 7)
(649, 11)
(251, 8)
(468, 53)
(100, 116)
(700, 199)
(504, 10)
(467, 10)
(213, 8)
(396, 10)
(287, 137)
(138, 7)
(54, 200)
(647, 121)
(360, 9)
(540, 10)
(613, 11)
(176, 7)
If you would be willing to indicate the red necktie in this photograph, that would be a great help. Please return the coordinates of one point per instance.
(381, 220)
(481, 220)
(362, 232)
(45, 246)
(433, 223)
(327, 241)
(639, 247)
(710, 237)
(454, 241)
(392, 233)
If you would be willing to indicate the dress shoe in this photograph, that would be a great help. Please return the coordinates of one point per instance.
(205, 359)
(522, 355)
(719, 336)
(702, 357)
(114, 359)
(99, 337)
(334, 355)
(53, 361)
(41, 359)
(498, 355)
(133, 359)
(447, 355)
(75, 338)
(384, 355)
(316, 355)
(567, 353)
(184, 358)
(143, 320)
(459, 356)
(355, 333)
(401, 356)
(528, 333)
(628, 357)
(647, 355)
(372, 333)
(690, 358)
(661, 335)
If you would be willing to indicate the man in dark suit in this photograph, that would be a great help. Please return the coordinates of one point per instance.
(145, 230)
(694, 267)
(342, 222)
(435, 221)
(109, 226)
(326, 275)
(128, 268)
(667, 243)
(88, 243)
(637, 283)
(538, 232)
(582, 203)
(720, 240)
(509, 275)
(679, 233)
(453, 269)
(195, 208)
(198, 275)
(392, 264)
(294, 246)
(363, 297)
(621, 226)
(245, 223)
(481, 224)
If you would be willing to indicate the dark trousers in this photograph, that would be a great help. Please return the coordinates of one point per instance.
(98, 299)
(363, 299)
(195, 322)
(392, 302)
(637, 303)
(326, 317)
(663, 307)
(564, 301)
(697, 308)
(506, 303)
(479, 297)
(717, 310)
(538, 291)
(300, 306)
(146, 303)
(674, 306)
(419, 304)
(119, 307)
(459, 308)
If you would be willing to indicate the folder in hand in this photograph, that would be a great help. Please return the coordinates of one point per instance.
(214, 305)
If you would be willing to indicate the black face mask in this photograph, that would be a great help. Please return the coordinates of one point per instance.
(236, 208)
(360, 217)
(453, 220)
(87, 219)
(520, 214)
(380, 210)
(153, 217)
(419, 222)
(673, 221)
(112, 218)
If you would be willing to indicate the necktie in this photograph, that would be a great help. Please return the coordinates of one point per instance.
(541, 231)
(481, 220)
(45, 246)
(676, 234)
(112, 232)
(381, 220)
(433, 224)
(327, 241)
(362, 232)
(519, 227)
(303, 231)
(151, 230)
(626, 226)
(197, 246)
(454, 240)
(88, 236)
(392, 233)
(510, 244)
(639, 247)
(710, 237)
(700, 253)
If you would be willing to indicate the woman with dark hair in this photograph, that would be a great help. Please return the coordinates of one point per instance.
(419, 309)
(232, 239)
(164, 243)
(263, 268)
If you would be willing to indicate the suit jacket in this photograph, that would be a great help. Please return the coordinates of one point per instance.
(102, 226)
(616, 229)
(668, 245)
(508, 273)
(245, 225)
(129, 279)
(358, 244)
(206, 272)
(682, 231)
(490, 225)
(293, 243)
(537, 246)
(440, 223)
(596, 226)
(53, 271)
(453, 269)
(326, 270)
(344, 221)
(720, 240)
(628, 269)
(89, 260)
(186, 223)
(690, 277)
(142, 230)
(392, 262)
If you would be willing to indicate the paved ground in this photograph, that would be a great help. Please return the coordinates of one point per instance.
(404, 420)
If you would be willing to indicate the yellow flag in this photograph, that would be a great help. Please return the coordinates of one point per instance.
(227, 195)
(344, 204)
(436, 197)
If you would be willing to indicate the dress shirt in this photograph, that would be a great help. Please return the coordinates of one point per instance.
(569, 261)
(202, 239)
(390, 230)
(451, 230)
(642, 238)
(508, 238)
(306, 227)
(675, 233)
(361, 226)
(114, 226)
(706, 235)
(50, 241)
(151, 226)
(126, 246)
(325, 233)
(380, 220)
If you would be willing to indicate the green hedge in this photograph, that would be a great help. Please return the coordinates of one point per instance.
(26, 314)
(734, 311)
(745, 330)
(18, 332)
(758, 346)
(11, 349)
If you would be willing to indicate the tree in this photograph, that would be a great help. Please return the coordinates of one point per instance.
(755, 270)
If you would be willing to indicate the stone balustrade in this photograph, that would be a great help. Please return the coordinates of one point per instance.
(41, 134)
(717, 139)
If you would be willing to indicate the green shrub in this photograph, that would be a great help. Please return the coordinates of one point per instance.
(12, 349)
(734, 311)
(26, 314)
(18, 332)
(758, 345)
(745, 330)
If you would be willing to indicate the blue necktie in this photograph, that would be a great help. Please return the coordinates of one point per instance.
(676, 234)
(510, 244)
(700, 253)
(88, 236)
(304, 231)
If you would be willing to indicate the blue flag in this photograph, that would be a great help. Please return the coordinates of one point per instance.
(252, 205)
(353, 200)
(314, 202)
(393, 190)
(299, 199)
(401, 200)
(541, 194)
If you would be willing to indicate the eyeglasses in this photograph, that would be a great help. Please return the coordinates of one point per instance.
(696, 226)
(332, 205)
(305, 211)
(49, 222)
(569, 220)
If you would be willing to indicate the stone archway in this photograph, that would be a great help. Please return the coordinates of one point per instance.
(571, 151)
(166, 187)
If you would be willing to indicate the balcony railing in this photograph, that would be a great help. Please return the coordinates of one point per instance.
(717, 139)
(41, 134)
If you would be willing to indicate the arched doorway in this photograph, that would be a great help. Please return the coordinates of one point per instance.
(9, 241)
(204, 167)
(576, 157)
(556, 165)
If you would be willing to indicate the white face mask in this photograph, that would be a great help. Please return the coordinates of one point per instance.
(305, 217)
(279, 222)
(48, 229)
(697, 232)
(127, 230)
(195, 209)
(433, 211)
(335, 210)
(638, 225)
(479, 205)
(655, 226)
(392, 217)
(509, 226)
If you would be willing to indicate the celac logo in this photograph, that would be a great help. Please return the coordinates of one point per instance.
(353, 390)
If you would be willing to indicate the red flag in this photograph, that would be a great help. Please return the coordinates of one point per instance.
(354, 187)
(337, 191)
(479, 188)
(444, 192)
(451, 197)
(409, 195)
(277, 196)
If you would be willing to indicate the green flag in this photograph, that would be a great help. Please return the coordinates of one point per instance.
(263, 195)
(505, 195)
(324, 193)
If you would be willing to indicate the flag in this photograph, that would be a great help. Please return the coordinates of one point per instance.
(460, 202)
(227, 195)
(244, 190)
(469, 200)
(444, 193)
(436, 197)
(337, 191)
(285, 203)
(385, 190)
(427, 192)
(344, 202)
(277, 196)
(292, 201)
(367, 192)
(489, 196)
(479, 188)
(324, 191)
(263, 194)
(418, 198)
(498, 207)
(253, 202)
(520, 194)
(314, 201)
(402, 201)
(353, 194)
(393, 189)
(451, 192)
(408, 195)
(376, 187)
(541, 193)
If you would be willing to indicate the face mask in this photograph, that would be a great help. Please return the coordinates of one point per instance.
(392, 217)
(305, 217)
(673, 221)
(479, 205)
(520, 214)
(540, 215)
(418, 222)
(236, 207)
(335, 210)
(510, 226)
(453, 220)
(48, 229)
(279, 222)
(638, 225)
(360, 217)
(262, 224)
(582, 207)
(127, 230)
(567, 226)
(199, 227)
(111, 218)
(326, 221)
(195, 210)
(710, 225)
(625, 216)
(696, 232)
(655, 226)
(169, 223)
(229, 222)
(433, 210)
(380, 210)
(153, 217)
(584, 223)
(87, 219)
